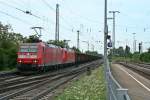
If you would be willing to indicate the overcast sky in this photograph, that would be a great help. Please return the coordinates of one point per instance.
(84, 15)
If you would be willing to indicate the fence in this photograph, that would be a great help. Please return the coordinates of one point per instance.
(114, 90)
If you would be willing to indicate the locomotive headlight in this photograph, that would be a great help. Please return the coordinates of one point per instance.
(20, 61)
(35, 61)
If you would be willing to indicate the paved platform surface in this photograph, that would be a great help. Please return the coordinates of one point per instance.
(138, 86)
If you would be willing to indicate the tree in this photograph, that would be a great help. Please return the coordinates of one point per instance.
(117, 52)
(61, 43)
(148, 50)
(121, 51)
(33, 39)
(92, 52)
(9, 42)
(127, 50)
(76, 49)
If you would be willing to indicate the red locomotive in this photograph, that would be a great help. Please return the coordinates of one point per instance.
(42, 56)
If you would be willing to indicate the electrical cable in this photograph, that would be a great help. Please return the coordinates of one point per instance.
(47, 4)
(78, 15)
(50, 7)
(26, 12)
(14, 17)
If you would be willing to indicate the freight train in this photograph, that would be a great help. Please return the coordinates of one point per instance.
(42, 57)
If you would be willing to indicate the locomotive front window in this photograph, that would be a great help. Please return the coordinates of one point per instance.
(33, 50)
(29, 49)
(24, 49)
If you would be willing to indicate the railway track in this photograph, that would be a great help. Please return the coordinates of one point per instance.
(8, 75)
(36, 87)
(143, 65)
(142, 69)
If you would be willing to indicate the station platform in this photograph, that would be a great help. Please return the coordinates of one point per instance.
(137, 85)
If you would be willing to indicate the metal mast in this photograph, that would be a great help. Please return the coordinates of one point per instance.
(113, 37)
(134, 43)
(105, 35)
(78, 39)
(57, 23)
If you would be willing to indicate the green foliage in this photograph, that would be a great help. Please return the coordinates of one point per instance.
(148, 50)
(136, 57)
(120, 52)
(76, 49)
(127, 49)
(61, 43)
(92, 52)
(33, 39)
(87, 88)
(8, 47)
(145, 57)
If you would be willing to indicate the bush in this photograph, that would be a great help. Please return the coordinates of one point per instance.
(8, 58)
(136, 57)
(145, 57)
(8, 47)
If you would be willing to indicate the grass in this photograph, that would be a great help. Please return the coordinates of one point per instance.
(87, 88)
(7, 69)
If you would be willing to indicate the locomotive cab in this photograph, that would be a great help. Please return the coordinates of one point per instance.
(28, 56)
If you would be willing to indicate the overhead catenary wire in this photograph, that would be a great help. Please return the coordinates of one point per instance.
(14, 17)
(71, 12)
(51, 8)
(71, 27)
(84, 19)
(24, 11)
(27, 12)
(21, 20)
(48, 5)
(16, 3)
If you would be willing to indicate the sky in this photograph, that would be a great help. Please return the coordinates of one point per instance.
(84, 15)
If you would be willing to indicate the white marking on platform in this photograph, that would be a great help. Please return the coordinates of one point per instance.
(148, 89)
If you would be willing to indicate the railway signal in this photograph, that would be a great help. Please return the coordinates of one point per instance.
(109, 44)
